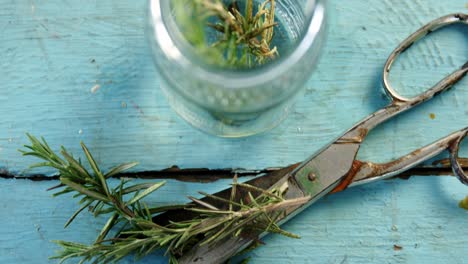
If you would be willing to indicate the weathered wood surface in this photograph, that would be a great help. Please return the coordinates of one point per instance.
(53, 53)
(360, 225)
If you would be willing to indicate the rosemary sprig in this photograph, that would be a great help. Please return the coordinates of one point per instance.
(131, 219)
(245, 38)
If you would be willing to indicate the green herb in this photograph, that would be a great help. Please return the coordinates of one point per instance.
(245, 37)
(131, 220)
(464, 203)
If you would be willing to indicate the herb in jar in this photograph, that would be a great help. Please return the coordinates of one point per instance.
(243, 38)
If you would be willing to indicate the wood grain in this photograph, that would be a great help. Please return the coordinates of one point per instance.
(360, 225)
(81, 70)
(54, 54)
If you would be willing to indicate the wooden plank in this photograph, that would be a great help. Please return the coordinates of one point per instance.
(360, 225)
(55, 52)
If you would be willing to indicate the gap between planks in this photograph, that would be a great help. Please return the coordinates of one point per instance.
(204, 175)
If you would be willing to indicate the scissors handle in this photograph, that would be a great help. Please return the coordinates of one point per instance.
(454, 160)
(432, 26)
(399, 103)
(368, 172)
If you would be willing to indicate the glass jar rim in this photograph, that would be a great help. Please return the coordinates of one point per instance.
(228, 78)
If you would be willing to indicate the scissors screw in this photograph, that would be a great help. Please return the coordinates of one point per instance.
(312, 177)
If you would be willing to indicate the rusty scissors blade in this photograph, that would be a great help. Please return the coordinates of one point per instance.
(335, 167)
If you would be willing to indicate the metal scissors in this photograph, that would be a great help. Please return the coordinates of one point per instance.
(335, 167)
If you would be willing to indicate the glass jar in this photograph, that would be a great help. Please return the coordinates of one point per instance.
(237, 102)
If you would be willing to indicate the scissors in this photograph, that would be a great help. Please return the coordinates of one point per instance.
(335, 167)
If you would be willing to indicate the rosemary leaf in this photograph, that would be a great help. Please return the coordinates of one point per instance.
(146, 192)
(120, 168)
(70, 220)
(97, 171)
(75, 164)
(230, 202)
(79, 188)
(167, 208)
(204, 204)
(107, 227)
(136, 188)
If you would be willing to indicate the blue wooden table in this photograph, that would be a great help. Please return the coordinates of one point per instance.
(81, 70)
